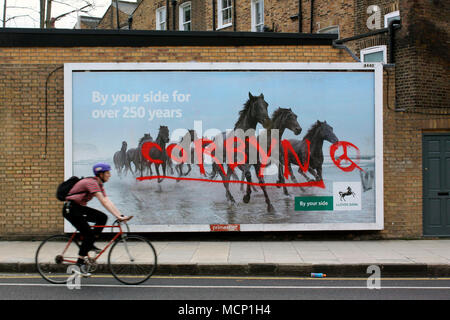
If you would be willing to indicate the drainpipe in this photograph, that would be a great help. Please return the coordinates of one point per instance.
(213, 15)
(117, 15)
(312, 14)
(343, 46)
(167, 15)
(234, 15)
(174, 12)
(130, 22)
(391, 43)
(300, 16)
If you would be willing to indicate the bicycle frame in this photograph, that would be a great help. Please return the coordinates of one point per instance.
(118, 234)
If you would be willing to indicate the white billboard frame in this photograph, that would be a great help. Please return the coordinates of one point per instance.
(376, 68)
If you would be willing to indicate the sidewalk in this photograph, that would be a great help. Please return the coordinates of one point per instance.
(275, 258)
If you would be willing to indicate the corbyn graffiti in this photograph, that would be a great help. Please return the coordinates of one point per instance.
(231, 149)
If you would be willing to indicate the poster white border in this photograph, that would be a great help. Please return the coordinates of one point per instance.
(377, 68)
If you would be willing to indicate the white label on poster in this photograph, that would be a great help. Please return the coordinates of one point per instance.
(347, 195)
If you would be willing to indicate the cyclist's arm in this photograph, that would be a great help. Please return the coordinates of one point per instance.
(109, 205)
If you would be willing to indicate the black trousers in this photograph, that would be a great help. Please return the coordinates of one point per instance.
(79, 216)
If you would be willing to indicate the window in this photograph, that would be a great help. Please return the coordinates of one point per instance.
(258, 15)
(225, 11)
(374, 54)
(332, 30)
(390, 17)
(161, 18)
(185, 17)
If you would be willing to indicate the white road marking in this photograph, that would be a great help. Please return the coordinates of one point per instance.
(220, 287)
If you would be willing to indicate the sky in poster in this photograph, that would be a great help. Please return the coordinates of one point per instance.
(103, 116)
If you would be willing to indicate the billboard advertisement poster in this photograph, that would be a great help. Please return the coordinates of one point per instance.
(207, 147)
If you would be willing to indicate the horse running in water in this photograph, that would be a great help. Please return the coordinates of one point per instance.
(185, 144)
(120, 159)
(282, 119)
(159, 155)
(254, 112)
(316, 135)
(134, 155)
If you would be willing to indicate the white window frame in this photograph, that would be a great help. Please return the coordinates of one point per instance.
(181, 22)
(221, 25)
(254, 15)
(391, 15)
(370, 50)
(158, 21)
(327, 29)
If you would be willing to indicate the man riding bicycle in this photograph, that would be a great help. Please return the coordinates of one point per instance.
(78, 214)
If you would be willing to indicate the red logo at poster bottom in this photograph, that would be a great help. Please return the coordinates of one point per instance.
(225, 227)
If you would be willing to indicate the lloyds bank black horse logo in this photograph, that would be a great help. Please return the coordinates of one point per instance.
(349, 192)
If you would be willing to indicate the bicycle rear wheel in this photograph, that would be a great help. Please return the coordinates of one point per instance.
(132, 259)
(54, 256)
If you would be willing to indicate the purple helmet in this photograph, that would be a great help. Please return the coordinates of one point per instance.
(100, 167)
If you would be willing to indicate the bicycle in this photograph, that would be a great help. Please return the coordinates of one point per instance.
(131, 260)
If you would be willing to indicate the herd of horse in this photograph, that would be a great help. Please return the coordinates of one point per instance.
(255, 111)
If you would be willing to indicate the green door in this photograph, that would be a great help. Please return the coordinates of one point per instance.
(436, 184)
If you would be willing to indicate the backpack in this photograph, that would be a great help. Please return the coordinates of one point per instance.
(64, 188)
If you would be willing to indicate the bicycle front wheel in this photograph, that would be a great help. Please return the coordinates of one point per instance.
(132, 259)
(54, 256)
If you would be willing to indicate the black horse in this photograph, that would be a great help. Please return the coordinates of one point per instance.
(316, 135)
(161, 155)
(134, 155)
(120, 159)
(282, 119)
(254, 112)
(343, 194)
(185, 144)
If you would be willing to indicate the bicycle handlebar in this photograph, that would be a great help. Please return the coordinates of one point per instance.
(124, 221)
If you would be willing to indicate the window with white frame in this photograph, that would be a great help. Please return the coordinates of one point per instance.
(331, 29)
(374, 54)
(391, 17)
(225, 13)
(161, 18)
(258, 15)
(185, 17)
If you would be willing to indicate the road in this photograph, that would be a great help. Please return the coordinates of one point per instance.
(32, 287)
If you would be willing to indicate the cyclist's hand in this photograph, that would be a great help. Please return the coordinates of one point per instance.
(125, 218)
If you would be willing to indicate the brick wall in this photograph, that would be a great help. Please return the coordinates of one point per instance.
(30, 175)
(109, 20)
(422, 46)
(420, 102)
(329, 13)
(416, 95)
(144, 17)
(279, 16)
(403, 200)
(27, 172)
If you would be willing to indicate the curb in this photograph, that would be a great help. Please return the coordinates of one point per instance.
(267, 269)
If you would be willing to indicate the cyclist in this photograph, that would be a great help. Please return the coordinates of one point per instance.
(78, 214)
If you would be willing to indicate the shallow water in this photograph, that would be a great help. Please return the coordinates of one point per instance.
(191, 203)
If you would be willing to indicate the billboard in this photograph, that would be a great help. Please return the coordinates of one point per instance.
(231, 146)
